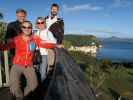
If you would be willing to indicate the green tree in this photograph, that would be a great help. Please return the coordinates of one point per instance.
(1, 16)
(2, 27)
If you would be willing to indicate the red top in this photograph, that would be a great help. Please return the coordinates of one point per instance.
(23, 54)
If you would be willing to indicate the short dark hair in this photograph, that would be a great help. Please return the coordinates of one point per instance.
(21, 10)
(55, 5)
(29, 22)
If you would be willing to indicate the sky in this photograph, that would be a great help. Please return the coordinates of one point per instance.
(102, 18)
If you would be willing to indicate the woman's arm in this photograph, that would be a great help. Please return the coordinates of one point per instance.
(44, 43)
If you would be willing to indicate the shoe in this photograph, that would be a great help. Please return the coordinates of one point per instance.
(13, 98)
(19, 98)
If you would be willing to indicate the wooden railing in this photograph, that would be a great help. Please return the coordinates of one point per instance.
(4, 70)
(68, 81)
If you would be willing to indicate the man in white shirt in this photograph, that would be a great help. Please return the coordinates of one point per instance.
(52, 18)
(44, 34)
(58, 31)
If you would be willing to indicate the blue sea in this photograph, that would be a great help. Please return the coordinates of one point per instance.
(116, 50)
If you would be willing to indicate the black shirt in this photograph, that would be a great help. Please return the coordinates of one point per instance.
(13, 29)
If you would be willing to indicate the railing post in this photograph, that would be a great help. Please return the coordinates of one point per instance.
(6, 68)
(0, 74)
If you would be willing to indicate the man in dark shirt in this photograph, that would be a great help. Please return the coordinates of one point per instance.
(14, 28)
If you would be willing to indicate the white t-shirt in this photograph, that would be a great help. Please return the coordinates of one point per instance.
(45, 35)
(50, 21)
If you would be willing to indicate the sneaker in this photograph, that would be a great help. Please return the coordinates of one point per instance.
(19, 98)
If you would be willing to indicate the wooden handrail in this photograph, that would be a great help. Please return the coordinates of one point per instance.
(68, 81)
(6, 70)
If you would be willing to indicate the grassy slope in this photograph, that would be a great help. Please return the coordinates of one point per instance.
(118, 78)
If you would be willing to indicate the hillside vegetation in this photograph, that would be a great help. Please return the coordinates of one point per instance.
(80, 40)
(110, 81)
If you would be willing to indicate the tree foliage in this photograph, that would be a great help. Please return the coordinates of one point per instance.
(2, 27)
(1, 15)
(81, 40)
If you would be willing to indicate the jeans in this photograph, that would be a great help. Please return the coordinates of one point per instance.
(43, 67)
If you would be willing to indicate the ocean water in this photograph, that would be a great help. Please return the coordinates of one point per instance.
(116, 50)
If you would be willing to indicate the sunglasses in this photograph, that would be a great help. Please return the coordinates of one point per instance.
(24, 27)
(40, 23)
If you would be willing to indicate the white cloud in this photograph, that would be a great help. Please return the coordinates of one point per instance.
(101, 31)
(121, 3)
(87, 7)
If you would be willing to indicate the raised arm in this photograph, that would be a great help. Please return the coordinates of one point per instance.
(44, 43)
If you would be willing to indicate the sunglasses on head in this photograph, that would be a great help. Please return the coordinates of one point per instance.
(40, 23)
(24, 27)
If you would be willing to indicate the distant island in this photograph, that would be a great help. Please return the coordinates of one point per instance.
(117, 39)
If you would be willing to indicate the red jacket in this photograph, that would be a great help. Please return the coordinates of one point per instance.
(23, 54)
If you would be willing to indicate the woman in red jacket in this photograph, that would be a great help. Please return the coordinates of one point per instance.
(24, 45)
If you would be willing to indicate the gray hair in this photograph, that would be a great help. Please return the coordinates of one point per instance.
(40, 18)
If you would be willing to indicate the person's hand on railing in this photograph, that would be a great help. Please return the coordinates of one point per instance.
(60, 46)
